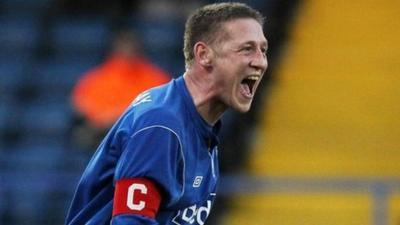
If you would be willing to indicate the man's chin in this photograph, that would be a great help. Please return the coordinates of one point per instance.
(242, 108)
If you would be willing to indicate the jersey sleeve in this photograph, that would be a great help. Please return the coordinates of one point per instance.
(153, 154)
(129, 219)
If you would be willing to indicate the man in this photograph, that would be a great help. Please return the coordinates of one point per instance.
(158, 164)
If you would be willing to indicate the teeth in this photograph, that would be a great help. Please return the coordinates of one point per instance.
(253, 77)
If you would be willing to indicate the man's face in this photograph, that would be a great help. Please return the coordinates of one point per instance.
(240, 62)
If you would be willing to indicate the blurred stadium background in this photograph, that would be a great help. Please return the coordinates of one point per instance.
(321, 147)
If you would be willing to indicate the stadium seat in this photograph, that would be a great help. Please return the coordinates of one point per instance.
(159, 38)
(47, 122)
(12, 73)
(32, 157)
(166, 60)
(3, 121)
(59, 74)
(157, 35)
(18, 35)
(76, 36)
(29, 171)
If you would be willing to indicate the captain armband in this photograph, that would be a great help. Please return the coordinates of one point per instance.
(137, 196)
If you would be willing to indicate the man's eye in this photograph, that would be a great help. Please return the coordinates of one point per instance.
(264, 51)
(247, 49)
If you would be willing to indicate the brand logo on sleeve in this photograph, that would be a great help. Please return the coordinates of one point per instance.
(142, 98)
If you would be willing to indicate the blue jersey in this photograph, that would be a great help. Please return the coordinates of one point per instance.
(162, 138)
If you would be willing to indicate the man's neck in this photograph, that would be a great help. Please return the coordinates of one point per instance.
(202, 92)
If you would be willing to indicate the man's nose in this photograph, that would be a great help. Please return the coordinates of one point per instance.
(259, 61)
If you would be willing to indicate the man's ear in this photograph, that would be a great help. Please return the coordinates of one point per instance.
(202, 54)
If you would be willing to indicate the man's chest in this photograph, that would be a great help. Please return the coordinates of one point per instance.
(200, 184)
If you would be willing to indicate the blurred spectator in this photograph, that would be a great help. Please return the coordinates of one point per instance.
(103, 93)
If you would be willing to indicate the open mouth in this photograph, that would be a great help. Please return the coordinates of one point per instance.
(247, 85)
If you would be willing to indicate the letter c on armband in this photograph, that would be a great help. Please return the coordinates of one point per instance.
(131, 195)
(137, 196)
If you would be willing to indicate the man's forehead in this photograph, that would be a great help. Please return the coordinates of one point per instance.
(243, 30)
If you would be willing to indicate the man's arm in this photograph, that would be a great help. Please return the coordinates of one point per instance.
(149, 173)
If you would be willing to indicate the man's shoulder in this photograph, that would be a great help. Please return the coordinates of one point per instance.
(162, 105)
(159, 115)
(156, 97)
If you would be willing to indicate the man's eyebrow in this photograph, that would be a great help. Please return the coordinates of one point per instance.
(254, 43)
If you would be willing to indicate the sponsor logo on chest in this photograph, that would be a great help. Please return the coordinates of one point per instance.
(193, 215)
